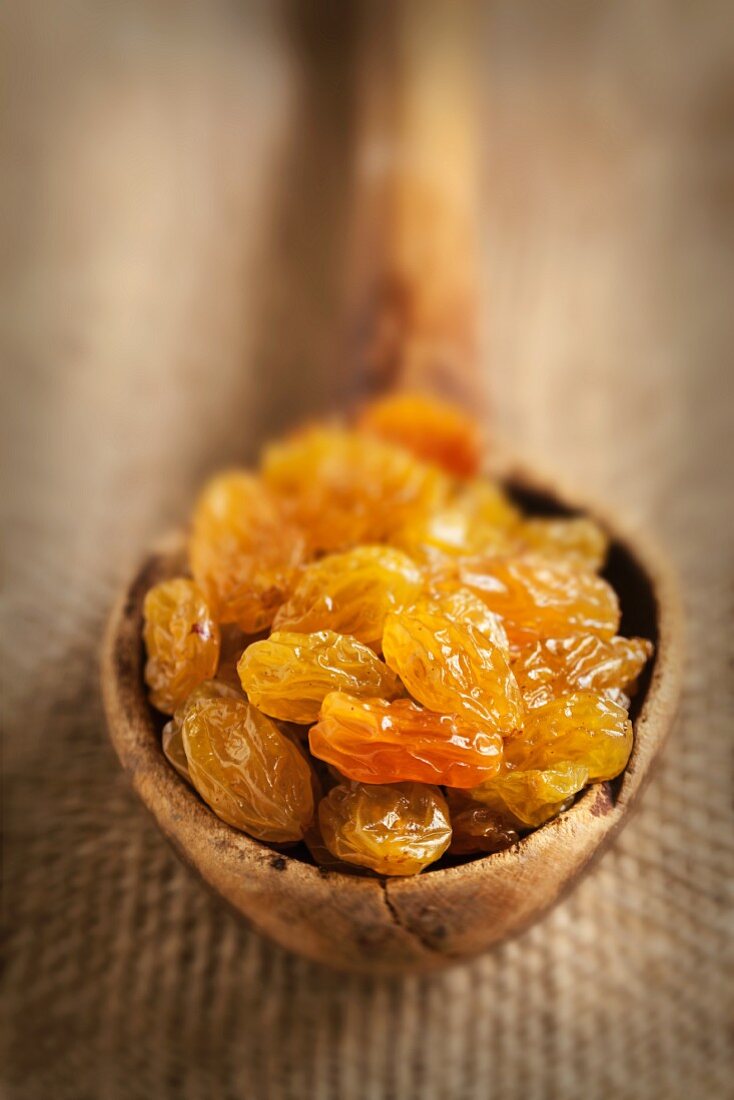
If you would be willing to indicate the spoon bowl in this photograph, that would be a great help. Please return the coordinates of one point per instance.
(451, 912)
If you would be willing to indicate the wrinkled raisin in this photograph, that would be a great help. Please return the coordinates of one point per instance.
(375, 741)
(452, 668)
(351, 593)
(249, 773)
(182, 641)
(288, 674)
(393, 830)
(243, 551)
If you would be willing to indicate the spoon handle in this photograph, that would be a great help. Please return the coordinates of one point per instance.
(413, 315)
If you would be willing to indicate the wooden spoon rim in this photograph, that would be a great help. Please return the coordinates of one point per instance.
(592, 820)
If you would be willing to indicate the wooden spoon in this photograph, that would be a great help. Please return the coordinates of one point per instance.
(417, 309)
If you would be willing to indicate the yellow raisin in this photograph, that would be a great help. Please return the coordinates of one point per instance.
(584, 728)
(532, 797)
(288, 674)
(576, 541)
(181, 639)
(252, 775)
(243, 552)
(462, 605)
(392, 830)
(453, 668)
(171, 738)
(351, 593)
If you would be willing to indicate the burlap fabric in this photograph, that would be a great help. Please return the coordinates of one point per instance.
(154, 161)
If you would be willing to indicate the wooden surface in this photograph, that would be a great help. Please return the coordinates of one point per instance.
(415, 213)
(174, 207)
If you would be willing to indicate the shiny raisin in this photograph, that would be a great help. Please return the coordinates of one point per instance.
(543, 599)
(344, 488)
(288, 674)
(351, 593)
(584, 728)
(181, 639)
(548, 668)
(252, 775)
(243, 552)
(375, 741)
(392, 830)
(533, 796)
(433, 430)
(453, 668)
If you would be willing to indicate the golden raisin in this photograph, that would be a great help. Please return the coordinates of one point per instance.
(171, 738)
(584, 728)
(464, 606)
(433, 430)
(351, 593)
(392, 830)
(576, 541)
(375, 741)
(249, 773)
(243, 552)
(542, 599)
(344, 488)
(181, 639)
(288, 674)
(453, 668)
(549, 667)
(532, 797)
(478, 519)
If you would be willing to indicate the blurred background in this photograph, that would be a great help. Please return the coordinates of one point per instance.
(190, 212)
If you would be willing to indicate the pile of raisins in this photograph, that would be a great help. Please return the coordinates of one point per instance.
(378, 654)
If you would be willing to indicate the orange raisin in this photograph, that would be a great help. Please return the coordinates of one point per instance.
(549, 667)
(543, 599)
(478, 519)
(344, 488)
(376, 741)
(433, 430)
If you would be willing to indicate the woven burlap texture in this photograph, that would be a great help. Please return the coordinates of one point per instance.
(151, 342)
